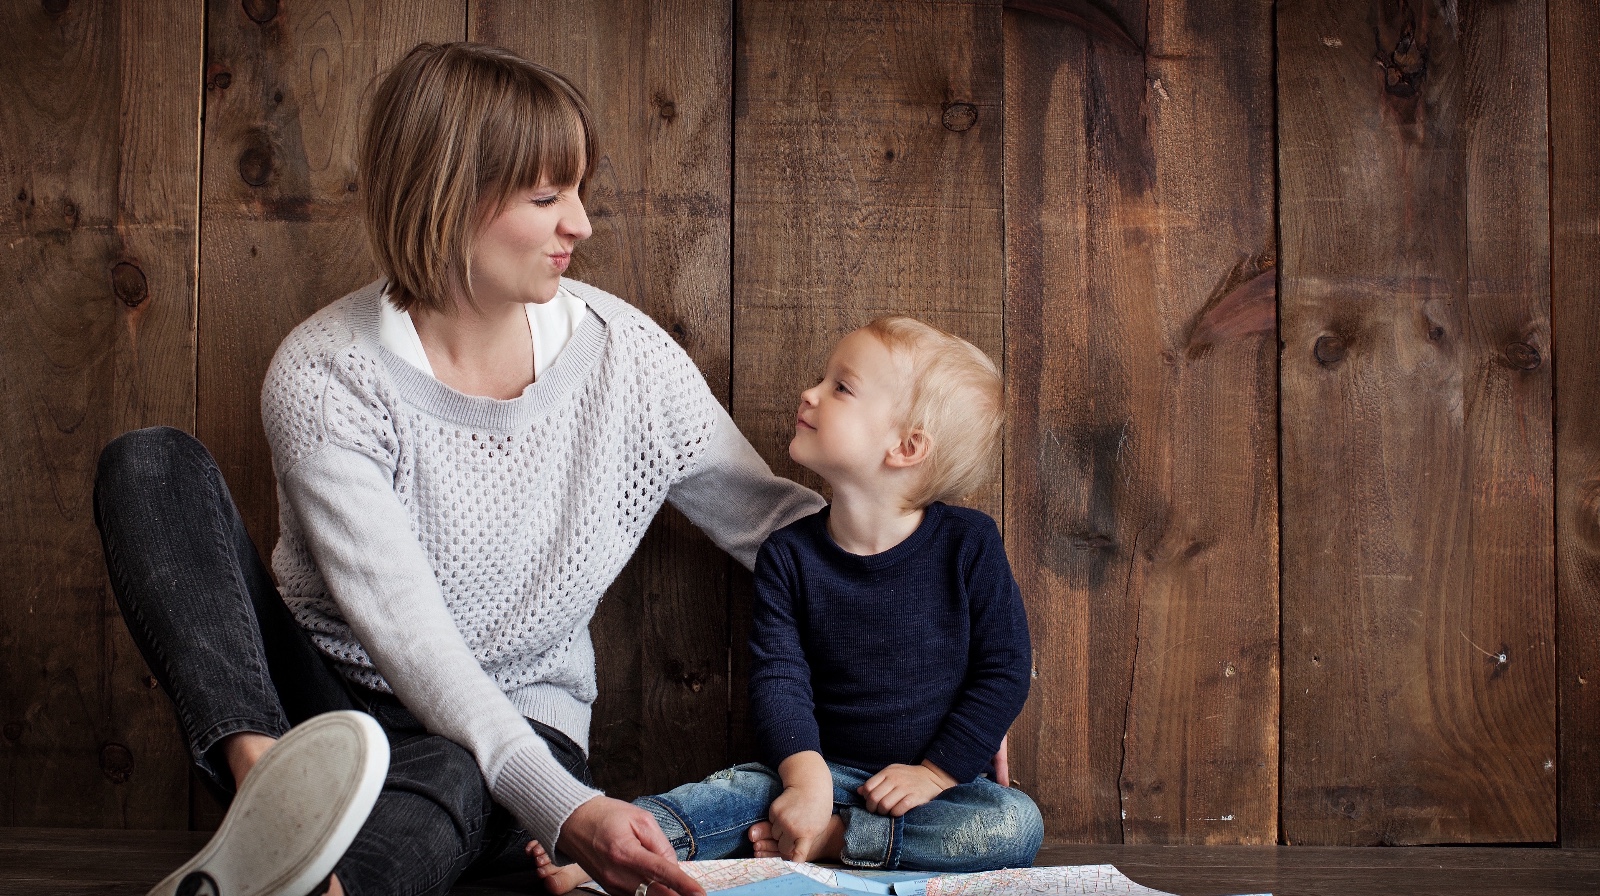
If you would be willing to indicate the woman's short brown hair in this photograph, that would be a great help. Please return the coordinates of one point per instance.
(956, 399)
(454, 130)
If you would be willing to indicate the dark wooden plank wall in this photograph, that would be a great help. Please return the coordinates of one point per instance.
(99, 148)
(1575, 328)
(1141, 486)
(1085, 190)
(1418, 576)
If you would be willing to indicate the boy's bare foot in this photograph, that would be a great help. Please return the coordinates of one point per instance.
(828, 847)
(761, 838)
(558, 879)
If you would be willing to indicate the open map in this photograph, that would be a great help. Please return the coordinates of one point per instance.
(776, 877)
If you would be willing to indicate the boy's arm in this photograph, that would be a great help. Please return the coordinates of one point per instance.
(781, 701)
(784, 711)
(999, 663)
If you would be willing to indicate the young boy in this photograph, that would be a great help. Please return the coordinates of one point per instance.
(890, 644)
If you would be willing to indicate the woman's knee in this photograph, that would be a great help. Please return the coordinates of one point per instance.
(135, 459)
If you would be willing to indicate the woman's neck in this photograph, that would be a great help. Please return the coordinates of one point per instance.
(864, 523)
(487, 352)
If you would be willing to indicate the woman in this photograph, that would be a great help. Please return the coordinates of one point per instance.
(467, 451)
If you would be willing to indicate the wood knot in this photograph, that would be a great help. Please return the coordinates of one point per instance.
(959, 117)
(128, 284)
(1405, 66)
(1329, 350)
(260, 11)
(255, 164)
(54, 8)
(1522, 356)
(220, 80)
(13, 731)
(665, 107)
(1435, 333)
(116, 762)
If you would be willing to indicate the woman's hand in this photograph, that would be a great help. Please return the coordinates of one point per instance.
(621, 847)
(900, 788)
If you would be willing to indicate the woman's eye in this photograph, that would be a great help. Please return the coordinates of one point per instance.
(546, 201)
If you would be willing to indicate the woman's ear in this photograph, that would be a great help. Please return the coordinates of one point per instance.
(912, 449)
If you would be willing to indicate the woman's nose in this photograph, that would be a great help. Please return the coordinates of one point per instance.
(575, 223)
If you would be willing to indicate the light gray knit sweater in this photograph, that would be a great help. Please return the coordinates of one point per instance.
(452, 548)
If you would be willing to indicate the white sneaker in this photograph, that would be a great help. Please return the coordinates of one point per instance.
(298, 811)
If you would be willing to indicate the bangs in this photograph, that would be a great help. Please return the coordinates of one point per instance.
(540, 132)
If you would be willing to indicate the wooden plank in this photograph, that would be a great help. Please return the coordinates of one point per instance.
(1141, 499)
(656, 77)
(1418, 593)
(73, 862)
(1575, 328)
(867, 181)
(99, 124)
(286, 88)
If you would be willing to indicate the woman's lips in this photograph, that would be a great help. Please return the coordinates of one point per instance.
(561, 261)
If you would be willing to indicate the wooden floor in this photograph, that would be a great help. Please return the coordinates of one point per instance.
(60, 862)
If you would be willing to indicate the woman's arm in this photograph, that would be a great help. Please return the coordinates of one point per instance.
(375, 569)
(733, 496)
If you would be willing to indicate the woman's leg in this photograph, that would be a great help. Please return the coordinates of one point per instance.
(198, 601)
(970, 827)
(435, 821)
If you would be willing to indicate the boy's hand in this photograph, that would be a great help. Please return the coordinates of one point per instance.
(900, 788)
(800, 815)
(799, 820)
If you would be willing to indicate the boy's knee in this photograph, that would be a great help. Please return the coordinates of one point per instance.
(1016, 827)
(1002, 829)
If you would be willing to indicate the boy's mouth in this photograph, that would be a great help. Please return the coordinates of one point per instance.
(800, 423)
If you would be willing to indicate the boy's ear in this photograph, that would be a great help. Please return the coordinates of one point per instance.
(912, 449)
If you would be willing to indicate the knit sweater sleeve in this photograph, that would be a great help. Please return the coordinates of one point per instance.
(999, 660)
(335, 469)
(733, 496)
(781, 698)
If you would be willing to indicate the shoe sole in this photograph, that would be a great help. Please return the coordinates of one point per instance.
(298, 811)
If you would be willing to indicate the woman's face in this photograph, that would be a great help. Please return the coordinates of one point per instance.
(520, 254)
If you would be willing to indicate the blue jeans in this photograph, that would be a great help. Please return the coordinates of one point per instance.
(979, 826)
(212, 627)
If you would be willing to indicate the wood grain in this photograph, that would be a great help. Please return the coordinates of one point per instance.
(1141, 479)
(97, 244)
(657, 78)
(1575, 329)
(48, 862)
(1418, 593)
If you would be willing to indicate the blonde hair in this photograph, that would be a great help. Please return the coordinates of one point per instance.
(454, 131)
(956, 399)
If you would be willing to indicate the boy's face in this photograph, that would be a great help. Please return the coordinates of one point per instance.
(849, 421)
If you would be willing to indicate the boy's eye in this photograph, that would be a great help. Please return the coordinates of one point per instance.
(841, 387)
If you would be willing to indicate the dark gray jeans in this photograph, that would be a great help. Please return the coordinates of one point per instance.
(211, 625)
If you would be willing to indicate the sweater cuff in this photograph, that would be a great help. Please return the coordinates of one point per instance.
(540, 793)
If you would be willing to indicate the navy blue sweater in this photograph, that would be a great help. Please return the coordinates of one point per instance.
(920, 652)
